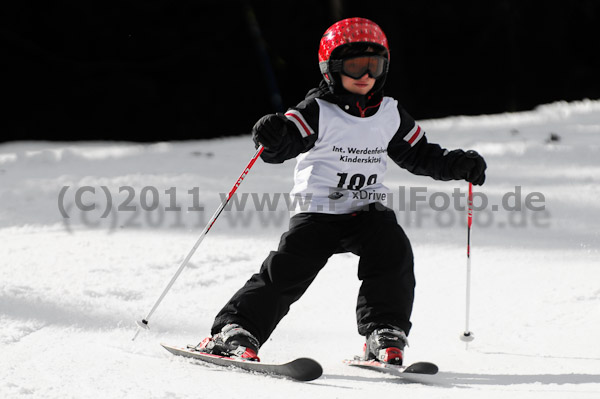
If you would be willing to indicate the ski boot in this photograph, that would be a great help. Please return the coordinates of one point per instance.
(233, 341)
(386, 345)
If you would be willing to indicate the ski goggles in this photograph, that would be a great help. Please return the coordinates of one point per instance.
(356, 67)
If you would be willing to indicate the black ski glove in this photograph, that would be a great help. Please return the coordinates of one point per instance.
(470, 166)
(269, 131)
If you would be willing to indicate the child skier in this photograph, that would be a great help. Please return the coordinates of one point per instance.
(341, 135)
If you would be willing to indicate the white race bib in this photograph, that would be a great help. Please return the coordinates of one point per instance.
(344, 170)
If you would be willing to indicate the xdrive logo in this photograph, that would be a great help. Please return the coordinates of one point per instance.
(370, 196)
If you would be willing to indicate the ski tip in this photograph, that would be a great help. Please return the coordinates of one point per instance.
(414, 368)
(300, 369)
(307, 369)
(422, 368)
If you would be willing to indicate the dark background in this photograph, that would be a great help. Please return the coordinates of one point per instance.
(171, 70)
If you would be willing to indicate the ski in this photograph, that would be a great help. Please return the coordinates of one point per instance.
(301, 369)
(400, 371)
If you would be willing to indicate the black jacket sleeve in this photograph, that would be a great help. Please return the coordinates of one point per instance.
(301, 132)
(410, 149)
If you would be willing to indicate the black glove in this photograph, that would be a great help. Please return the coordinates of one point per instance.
(269, 130)
(470, 166)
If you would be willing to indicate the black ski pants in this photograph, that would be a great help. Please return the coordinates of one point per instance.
(385, 268)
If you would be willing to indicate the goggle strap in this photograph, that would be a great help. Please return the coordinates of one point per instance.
(335, 65)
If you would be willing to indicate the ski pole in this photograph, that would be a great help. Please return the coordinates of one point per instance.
(144, 322)
(467, 336)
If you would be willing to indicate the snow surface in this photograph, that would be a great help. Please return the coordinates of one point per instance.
(72, 288)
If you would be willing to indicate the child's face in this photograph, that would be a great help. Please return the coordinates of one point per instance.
(358, 86)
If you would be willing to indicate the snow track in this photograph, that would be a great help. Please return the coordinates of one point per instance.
(72, 288)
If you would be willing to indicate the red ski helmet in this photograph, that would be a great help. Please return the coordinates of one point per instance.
(344, 33)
